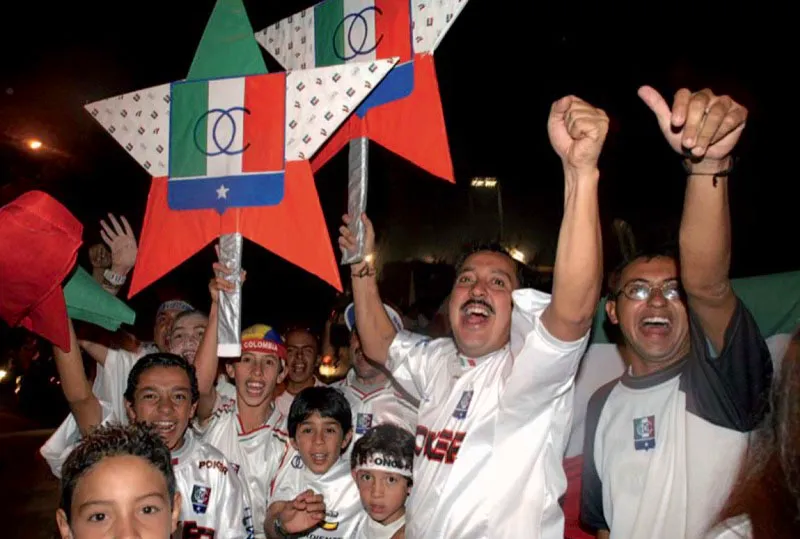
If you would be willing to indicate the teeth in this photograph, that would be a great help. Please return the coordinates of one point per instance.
(477, 309)
(656, 320)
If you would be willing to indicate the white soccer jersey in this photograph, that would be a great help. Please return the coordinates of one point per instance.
(284, 401)
(370, 529)
(258, 454)
(733, 528)
(344, 511)
(215, 502)
(491, 431)
(383, 404)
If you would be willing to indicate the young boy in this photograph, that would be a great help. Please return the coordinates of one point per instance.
(119, 482)
(162, 392)
(313, 494)
(246, 427)
(382, 462)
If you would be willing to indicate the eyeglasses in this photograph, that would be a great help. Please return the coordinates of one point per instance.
(643, 291)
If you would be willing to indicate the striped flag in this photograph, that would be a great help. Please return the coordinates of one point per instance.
(226, 143)
(340, 31)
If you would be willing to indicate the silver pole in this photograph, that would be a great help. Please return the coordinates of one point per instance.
(229, 327)
(357, 196)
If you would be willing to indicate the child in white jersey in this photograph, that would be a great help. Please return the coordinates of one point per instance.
(382, 462)
(313, 494)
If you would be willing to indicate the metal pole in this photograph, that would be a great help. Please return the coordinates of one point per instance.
(229, 327)
(357, 196)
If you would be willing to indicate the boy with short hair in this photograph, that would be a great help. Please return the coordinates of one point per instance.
(382, 462)
(313, 493)
(162, 392)
(119, 481)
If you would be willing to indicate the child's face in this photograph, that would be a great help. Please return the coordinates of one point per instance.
(256, 374)
(186, 334)
(320, 442)
(163, 398)
(383, 494)
(123, 496)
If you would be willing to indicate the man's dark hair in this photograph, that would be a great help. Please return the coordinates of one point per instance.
(160, 359)
(135, 439)
(326, 401)
(391, 441)
(492, 247)
(615, 276)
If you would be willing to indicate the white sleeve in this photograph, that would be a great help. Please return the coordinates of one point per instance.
(409, 360)
(111, 379)
(544, 367)
(235, 516)
(222, 405)
(61, 443)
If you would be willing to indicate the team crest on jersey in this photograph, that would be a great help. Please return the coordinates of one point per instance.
(331, 521)
(644, 433)
(201, 495)
(297, 462)
(463, 405)
(363, 423)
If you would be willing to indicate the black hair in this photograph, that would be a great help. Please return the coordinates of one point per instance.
(160, 359)
(667, 250)
(491, 247)
(391, 441)
(135, 439)
(326, 401)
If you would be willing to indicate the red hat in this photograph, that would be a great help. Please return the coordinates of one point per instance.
(39, 241)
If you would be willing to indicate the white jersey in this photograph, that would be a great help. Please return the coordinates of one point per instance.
(371, 529)
(214, 501)
(733, 528)
(284, 401)
(491, 431)
(343, 509)
(377, 405)
(257, 454)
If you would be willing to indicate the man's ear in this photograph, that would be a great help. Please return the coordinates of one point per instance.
(611, 311)
(129, 410)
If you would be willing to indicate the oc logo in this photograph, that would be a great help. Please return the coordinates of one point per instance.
(223, 146)
(356, 21)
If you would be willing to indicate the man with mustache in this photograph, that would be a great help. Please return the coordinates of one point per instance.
(663, 442)
(496, 398)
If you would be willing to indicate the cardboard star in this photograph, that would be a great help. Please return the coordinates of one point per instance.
(404, 114)
(229, 149)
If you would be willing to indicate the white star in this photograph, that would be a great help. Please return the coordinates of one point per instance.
(222, 192)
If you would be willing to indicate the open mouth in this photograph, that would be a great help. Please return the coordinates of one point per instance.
(319, 459)
(377, 509)
(165, 428)
(476, 312)
(255, 388)
(656, 325)
(299, 367)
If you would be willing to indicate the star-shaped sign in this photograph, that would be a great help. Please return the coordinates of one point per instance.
(228, 148)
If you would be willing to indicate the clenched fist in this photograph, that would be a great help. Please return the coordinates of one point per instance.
(577, 131)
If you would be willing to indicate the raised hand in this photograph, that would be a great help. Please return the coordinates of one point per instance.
(577, 131)
(306, 511)
(122, 242)
(222, 281)
(701, 124)
(347, 240)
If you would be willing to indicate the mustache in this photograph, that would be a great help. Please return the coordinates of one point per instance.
(479, 302)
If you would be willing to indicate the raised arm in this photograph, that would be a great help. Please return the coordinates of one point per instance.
(77, 390)
(374, 327)
(577, 131)
(704, 128)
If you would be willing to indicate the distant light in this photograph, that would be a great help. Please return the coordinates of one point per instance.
(34, 144)
(327, 370)
(3, 374)
(517, 255)
(486, 183)
(370, 258)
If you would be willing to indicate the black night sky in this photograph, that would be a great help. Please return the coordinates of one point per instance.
(499, 68)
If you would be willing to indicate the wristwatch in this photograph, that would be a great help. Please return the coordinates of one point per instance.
(114, 278)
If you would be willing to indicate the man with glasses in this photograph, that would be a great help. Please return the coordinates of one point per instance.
(663, 442)
(302, 361)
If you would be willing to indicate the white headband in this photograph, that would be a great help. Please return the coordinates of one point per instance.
(377, 462)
